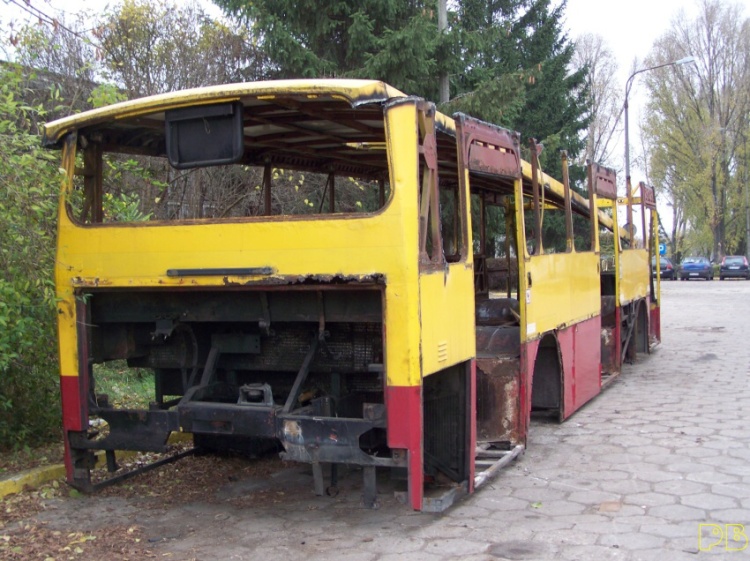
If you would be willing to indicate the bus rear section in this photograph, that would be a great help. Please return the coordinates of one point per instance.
(258, 248)
(631, 323)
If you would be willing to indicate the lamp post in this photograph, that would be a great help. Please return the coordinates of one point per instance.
(628, 85)
(747, 200)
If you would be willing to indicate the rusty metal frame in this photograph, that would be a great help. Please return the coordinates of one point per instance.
(568, 204)
(429, 210)
(537, 197)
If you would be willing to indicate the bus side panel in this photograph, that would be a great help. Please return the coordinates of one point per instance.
(633, 275)
(446, 317)
(561, 289)
(404, 405)
(581, 364)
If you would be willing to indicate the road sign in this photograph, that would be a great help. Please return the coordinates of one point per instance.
(662, 249)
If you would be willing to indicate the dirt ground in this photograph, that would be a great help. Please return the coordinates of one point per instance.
(135, 519)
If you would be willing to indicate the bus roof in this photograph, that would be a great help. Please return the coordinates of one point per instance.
(318, 101)
(356, 92)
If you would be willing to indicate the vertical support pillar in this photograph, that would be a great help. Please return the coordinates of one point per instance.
(267, 190)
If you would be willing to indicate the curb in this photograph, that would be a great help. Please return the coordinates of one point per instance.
(31, 478)
(38, 476)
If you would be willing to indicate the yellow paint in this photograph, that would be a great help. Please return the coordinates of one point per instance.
(447, 317)
(564, 290)
(66, 306)
(633, 273)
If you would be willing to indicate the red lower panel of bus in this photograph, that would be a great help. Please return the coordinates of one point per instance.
(404, 406)
(655, 324)
(74, 415)
(581, 355)
(73, 402)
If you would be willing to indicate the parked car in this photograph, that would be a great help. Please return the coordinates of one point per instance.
(734, 266)
(667, 270)
(696, 268)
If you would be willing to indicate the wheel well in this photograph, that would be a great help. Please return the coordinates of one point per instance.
(546, 386)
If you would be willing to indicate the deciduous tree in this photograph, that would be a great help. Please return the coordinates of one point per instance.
(697, 121)
(604, 98)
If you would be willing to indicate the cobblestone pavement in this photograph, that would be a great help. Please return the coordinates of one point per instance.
(632, 476)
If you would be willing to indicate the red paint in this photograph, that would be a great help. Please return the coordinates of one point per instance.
(74, 412)
(655, 323)
(526, 366)
(73, 390)
(404, 413)
(566, 342)
(586, 360)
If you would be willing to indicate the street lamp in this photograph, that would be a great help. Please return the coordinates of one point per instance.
(747, 199)
(628, 85)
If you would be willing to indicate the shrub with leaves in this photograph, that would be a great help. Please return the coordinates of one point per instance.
(29, 185)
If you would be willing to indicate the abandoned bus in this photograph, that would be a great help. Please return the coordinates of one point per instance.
(336, 269)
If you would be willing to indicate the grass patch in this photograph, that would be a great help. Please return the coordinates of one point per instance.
(127, 388)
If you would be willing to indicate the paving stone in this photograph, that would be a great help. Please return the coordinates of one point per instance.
(522, 550)
(680, 487)
(413, 556)
(608, 527)
(391, 543)
(654, 475)
(650, 499)
(677, 513)
(709, 501)
(538, 494)
(632, 541)
(625, 511)
(731, 516)
(455, 547)
(566, 538)
(739, 490)
(686, 467)
(661, 554)
(671, 530)
(594, 553)
(625, 486)
(661, 459)
(593, 497)
(558, 508)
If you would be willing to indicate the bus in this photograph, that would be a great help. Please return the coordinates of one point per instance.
(338, 270)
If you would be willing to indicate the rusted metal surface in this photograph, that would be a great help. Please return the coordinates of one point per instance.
(647, 196)
(498, 384)
(604, 182)
(487, 148)
(498, 405)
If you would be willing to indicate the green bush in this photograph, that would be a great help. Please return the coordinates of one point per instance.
(29, 185)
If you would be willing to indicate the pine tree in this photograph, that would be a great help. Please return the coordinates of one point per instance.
(391, 40)
(508, 59)
(517, 59)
